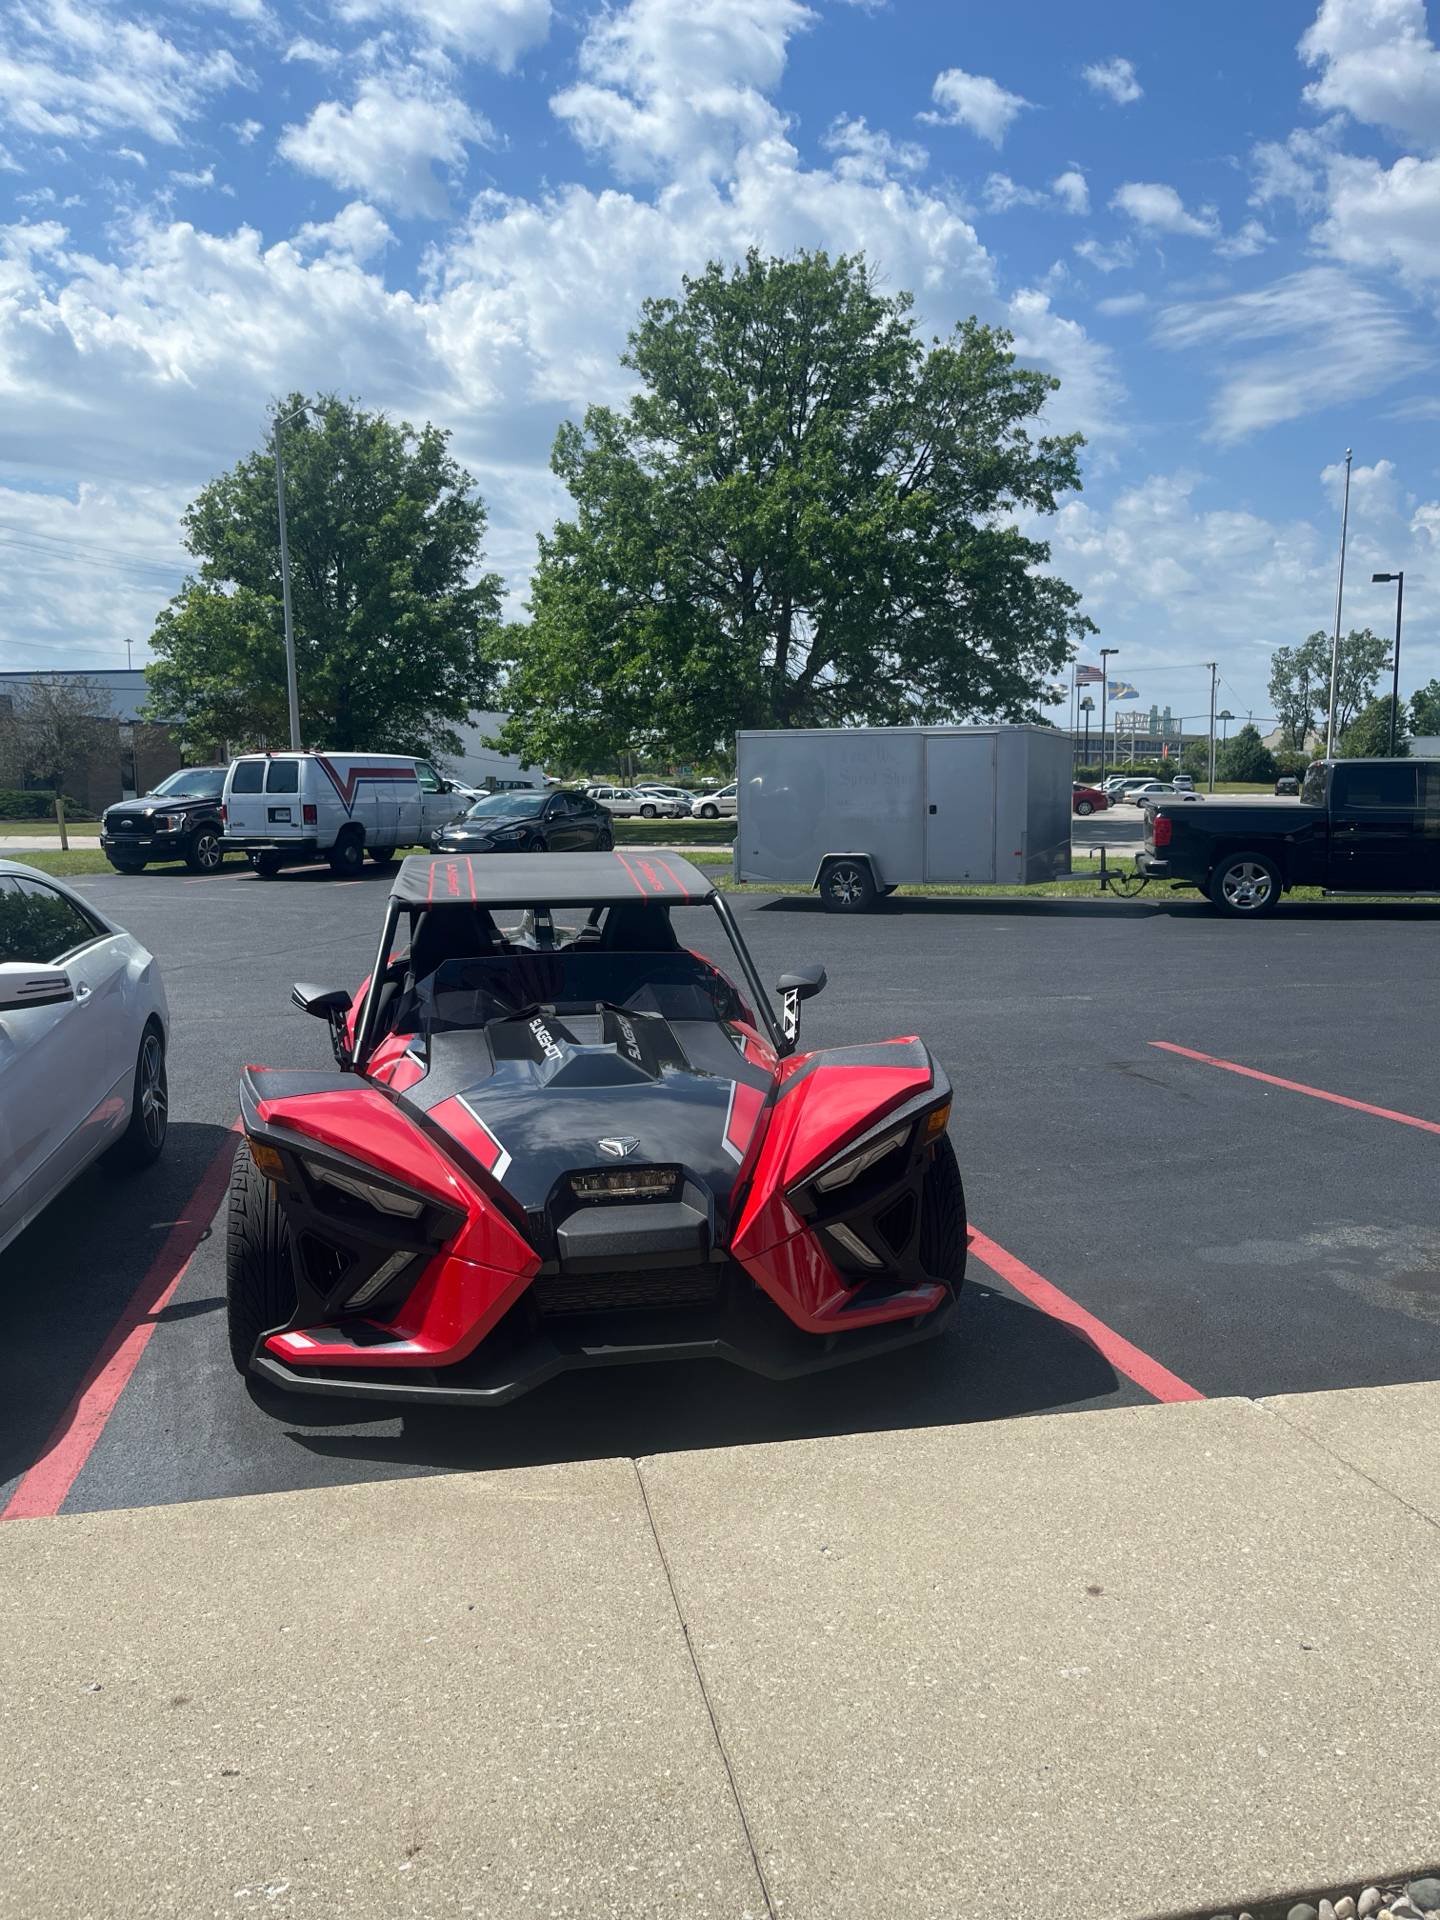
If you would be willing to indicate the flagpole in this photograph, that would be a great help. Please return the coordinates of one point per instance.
(1339, 596)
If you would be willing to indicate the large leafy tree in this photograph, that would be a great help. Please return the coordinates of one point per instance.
(805, 517)
(1425, 710)
(1368, 735)
(1299, 682)
(394, 622)
(1245, 757)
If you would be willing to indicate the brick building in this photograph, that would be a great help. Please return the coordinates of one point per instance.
(129, 755)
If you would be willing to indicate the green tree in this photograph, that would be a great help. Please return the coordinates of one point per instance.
(1245, 756)
(1299, 679)
(394, 625)
(1368, 735)
(1425, 710)
(805, 517)
(1359, 662)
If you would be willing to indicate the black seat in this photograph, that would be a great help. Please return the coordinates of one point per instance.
(643, 927)
(441, 933)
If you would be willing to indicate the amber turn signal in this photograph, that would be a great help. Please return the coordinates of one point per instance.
(267, 1160)
(937, 1123)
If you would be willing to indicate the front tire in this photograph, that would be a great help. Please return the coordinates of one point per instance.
(143, 1140)
(944, 1243)
(259, 1262)
(1247, 885)
(606, 843)
(347, 857)
(204, 853)
(382, 856)
(847, 886)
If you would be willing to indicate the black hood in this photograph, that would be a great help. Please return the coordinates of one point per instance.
(551, 1088)
(492, 823)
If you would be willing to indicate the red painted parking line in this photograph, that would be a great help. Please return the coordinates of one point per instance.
(1124, 1357)
(1298, 1086)
(43, 1490)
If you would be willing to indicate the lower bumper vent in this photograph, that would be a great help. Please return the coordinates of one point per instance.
(560, 1294)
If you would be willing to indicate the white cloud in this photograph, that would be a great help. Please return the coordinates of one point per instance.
(384, 145)
(1107, 259)
(1386, 219)
(1121, 303)
(1379, 64)
(1156, 208)
(1250, 239)
(972, 100)
(668, 90)
(495, 30)
(130, 154)
(1344, 342)
(246, 131)
(357, 232)
(1000, 193)
(1290, 172)
(69, 71)
(313, 52)
(1072, 191)
(1115, 78)
(872, 155)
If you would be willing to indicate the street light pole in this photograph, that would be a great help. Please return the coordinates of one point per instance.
(1105, 653)
(1339, 597)
(1214, 668)
(292, 685)
(1087, 707)
(1399, 578)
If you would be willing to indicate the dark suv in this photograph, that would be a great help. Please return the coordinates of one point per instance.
(180, 820)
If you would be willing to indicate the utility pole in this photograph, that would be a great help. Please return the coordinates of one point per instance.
(292, 684)
(1339, 597)
(1105, 653)
(1214, 668)
(127, 656)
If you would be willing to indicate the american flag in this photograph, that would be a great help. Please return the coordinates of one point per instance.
(1088, 676)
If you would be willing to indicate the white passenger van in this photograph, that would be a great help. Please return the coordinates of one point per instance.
(284, 808)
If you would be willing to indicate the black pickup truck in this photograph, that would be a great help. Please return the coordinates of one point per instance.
(1359, 826)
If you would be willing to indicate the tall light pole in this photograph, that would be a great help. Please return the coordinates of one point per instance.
(1105, 653)
(1339, 597)
(1380, 579)
(1087, 707)
(1214, 667)
(292, 684)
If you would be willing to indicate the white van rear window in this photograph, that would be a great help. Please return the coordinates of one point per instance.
(283, 777)
(249, 776)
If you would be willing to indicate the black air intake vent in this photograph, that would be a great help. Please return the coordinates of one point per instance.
(897, 1223)
(559, 1295)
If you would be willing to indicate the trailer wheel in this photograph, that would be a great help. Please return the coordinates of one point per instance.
(847, 886)
(1246, 884)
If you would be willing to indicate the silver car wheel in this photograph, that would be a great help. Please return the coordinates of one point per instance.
(1247, 886)
(154, 1091)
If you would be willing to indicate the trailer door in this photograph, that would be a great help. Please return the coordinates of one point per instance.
(960, 807)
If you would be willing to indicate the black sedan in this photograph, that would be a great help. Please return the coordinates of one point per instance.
(180, 820)
(529, 822)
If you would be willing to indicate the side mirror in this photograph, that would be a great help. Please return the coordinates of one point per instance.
(22, 985)
(801, 983)
(327, 1003)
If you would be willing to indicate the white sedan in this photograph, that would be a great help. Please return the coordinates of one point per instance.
(626, 803)
(83, 1033)
(1157, 790)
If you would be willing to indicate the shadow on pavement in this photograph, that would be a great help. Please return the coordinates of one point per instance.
(67, 1279)
(999, 1358)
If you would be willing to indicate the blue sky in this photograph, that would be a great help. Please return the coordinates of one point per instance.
(1220, 227)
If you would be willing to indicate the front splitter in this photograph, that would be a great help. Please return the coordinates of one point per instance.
(756, 1337)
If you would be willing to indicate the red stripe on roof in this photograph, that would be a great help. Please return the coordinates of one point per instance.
(631, 871)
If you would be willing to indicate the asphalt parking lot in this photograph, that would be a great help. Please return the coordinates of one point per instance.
(1250, 1239)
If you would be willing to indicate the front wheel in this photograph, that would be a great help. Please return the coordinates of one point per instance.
(1247, 884)
(382, 856)
(943, 1242)
(606, 843)
(204, 853)
(259, 1262)
(847, 886)
(143, 1140)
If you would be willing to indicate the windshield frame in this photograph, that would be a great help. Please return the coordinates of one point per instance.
(170, 791)
(502, 806)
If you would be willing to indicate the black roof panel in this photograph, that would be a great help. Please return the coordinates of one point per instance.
(550, 879)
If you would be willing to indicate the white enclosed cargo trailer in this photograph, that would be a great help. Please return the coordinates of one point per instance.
(858, 811)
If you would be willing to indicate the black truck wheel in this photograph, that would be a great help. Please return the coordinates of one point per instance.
(943, 1243)
(204, 852)
(259, 1261)
(847, 886)
(382, 856)
(1247, 884)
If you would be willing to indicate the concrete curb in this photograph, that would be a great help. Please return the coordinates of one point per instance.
(1157, 1660)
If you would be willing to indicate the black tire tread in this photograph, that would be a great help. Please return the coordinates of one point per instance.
(133, 1150)
(944, 1243)
(259, 1261)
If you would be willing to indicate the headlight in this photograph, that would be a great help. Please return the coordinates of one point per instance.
(510, 834)
(633, 1183)
(166, 822)
(383, 1199)
(841, 1172)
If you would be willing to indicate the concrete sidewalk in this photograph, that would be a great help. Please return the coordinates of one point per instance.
(1151, 1661)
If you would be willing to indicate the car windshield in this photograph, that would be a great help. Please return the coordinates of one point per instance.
(464, 994)
(201, 783)
(510, 806)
